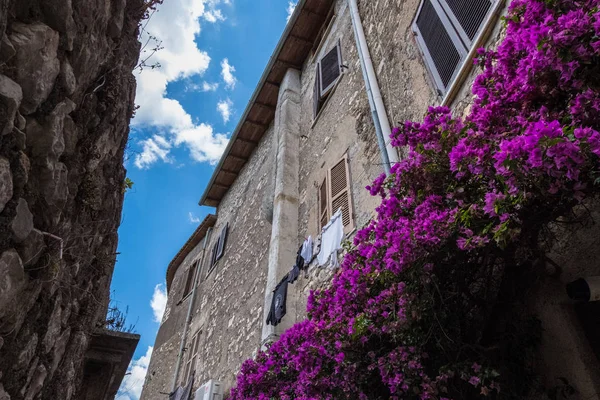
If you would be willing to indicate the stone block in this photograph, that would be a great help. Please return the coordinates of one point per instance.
(11, 96)
(22, 224)
(7, 50)
(32, 248)
(3, 394)
(37, 62)
(6, 183)
(37, 382)
(47, 140)
(67, 77)
(12, 277)
(28, 352)
(53, 330)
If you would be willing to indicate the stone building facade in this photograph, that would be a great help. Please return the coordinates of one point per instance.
(279, 179)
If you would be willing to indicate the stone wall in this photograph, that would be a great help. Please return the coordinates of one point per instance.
(66, 97)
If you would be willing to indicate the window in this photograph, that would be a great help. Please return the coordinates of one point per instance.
(218, 248)
(328, 72)
(190, 279)
(445, 32)
(334, 194)
(191, 357)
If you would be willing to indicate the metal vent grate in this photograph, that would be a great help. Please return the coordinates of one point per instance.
(470, 14)
(330, 69)
(443, 52)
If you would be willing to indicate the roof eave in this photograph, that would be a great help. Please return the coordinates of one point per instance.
(286, 32)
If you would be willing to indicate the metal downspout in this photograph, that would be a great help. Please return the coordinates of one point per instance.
(382, 124)
(189, 312)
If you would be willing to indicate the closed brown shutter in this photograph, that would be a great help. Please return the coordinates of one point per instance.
(323, 204)
(222, 242)
(192, 356)
(190, 279)
(339, 179)
(316, 94)
(330, 69)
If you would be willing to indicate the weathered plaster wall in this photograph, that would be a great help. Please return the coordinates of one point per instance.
(229, 304)
(228, 310)
(66, 97)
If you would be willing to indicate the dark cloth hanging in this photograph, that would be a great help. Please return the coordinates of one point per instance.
(278, 303)
(183, 393)
(300, 261)
(294, 274)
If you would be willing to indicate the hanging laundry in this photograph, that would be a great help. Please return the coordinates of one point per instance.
(306, 251)
(331, 240)
(294, 274)
(183, 393)
(278, 303)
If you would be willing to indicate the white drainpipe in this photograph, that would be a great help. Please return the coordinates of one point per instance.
(373, 91)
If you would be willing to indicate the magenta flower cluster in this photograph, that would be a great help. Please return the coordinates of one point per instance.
(527, 150)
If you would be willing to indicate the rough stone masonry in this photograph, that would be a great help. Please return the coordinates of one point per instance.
(66, 98)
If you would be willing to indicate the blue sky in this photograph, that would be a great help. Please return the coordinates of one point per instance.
(214, 52)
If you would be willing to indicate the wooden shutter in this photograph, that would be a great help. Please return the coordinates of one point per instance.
(330, 69)
(192, 356)
(339, 191)
(442, 48)
(316, 93)
(213, 254)
(222, 242)
(323, 204)
(467, 16)
(190, 279)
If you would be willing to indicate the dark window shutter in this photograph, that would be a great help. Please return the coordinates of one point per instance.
(467, 16)
(443, 49)
(317, 93)
(213, 255)
(340, 193)
(222, 242)
(190, 279)
(323, 205)
(330, 69)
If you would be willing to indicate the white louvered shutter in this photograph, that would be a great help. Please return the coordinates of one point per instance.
(339, 191)
(467, 16)
(445, 32)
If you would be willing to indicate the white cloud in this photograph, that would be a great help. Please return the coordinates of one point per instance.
(202, 87)
(290, 8)
(131, 387)
(203, 143)
(224, 107)
(193, 218)
(227, 71)
(153, 149)
(176, 24)
(159, 302)
(214, 16)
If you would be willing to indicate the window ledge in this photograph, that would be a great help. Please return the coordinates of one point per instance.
(184, 298)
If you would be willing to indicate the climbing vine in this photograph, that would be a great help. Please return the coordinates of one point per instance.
(411, 312)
